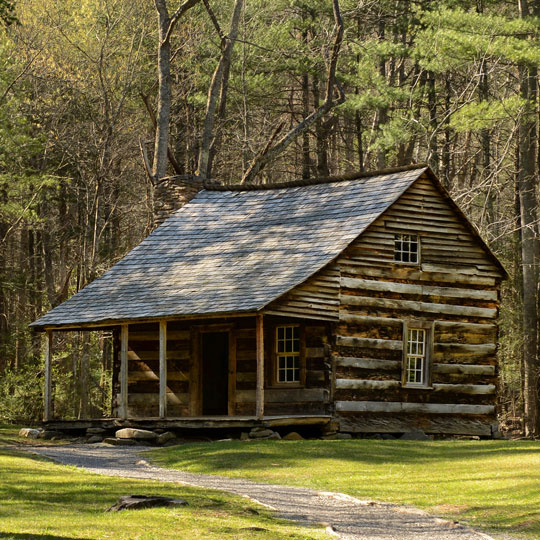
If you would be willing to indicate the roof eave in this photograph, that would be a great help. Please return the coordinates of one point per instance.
(113, 323)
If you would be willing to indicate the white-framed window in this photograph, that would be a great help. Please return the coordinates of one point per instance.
(406, 248)
(417, 339)
(288, 354)
(416, 357)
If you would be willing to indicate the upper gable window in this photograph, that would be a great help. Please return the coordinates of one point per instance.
(406, 248)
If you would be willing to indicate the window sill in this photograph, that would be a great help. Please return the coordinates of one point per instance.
(417, 387)
(286, 385)
(403, 263)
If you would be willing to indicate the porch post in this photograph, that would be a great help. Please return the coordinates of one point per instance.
(260, 367)
(47, 391)
(162, 369)
(124, 372)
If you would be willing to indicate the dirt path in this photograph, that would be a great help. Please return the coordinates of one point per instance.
(349, 518)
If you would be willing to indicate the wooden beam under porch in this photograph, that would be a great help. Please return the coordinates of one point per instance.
(193, 423)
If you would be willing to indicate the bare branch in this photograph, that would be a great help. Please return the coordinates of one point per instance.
(146, 162)
(188, 4)
(329, 103)
(214, 20)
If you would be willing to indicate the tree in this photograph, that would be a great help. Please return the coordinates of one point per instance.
(166, 24)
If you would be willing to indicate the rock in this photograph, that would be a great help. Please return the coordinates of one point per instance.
(95, 431)
(224, 440)
(94, 439)
(165, 437)
(387, 437)
(274, 437)
(260, 433)
(120, 442)
(174, 442)
(138, 434)
(49, 434)
(136, 502)
(343, 436)
(256, 429)
(244, 436)
(415, 435)
(293, 436)
(331, 427)
(30, 433)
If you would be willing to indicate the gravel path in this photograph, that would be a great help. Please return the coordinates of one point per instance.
(349, 518)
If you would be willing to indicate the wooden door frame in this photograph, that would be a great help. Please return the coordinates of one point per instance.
(195, 379)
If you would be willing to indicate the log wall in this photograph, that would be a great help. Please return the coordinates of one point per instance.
(455, 286)
(182, 353)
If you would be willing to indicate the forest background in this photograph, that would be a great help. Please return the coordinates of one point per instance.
(382, 83)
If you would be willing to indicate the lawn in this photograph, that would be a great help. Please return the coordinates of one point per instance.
(10, 434)
(490, 484)
(43, 501)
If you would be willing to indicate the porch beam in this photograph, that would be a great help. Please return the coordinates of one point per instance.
(124, 334)
(260, 367)
(47, 391)
(162, 369)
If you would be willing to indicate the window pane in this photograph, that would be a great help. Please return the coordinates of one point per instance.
(416, 372)
(406, 248)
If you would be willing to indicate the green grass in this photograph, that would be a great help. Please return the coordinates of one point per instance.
(9, 434)
(489, 484)
(43, 501)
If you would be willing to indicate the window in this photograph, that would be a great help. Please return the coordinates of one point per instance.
(288, 354)
(406, 248)
(416, 354)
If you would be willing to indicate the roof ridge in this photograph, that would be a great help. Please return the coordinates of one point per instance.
(217, 186)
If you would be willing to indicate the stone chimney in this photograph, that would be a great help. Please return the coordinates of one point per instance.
(171, 193)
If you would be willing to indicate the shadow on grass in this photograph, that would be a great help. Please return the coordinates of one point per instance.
(254, 455)
(34, 536)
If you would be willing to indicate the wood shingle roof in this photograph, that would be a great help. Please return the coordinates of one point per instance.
(233, 250)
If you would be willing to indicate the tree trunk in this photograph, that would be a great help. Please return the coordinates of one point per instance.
(527, 182)
(166, 25)
(218, 88)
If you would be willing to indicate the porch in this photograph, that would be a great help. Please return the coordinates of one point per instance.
(209, 373)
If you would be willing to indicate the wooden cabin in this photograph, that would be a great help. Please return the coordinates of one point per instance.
(371, 301)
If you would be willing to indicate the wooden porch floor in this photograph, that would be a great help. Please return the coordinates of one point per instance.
(198, 422)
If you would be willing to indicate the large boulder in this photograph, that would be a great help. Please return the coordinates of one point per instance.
(137, 434)
(165, 437)
(30, 433)
(120, 442)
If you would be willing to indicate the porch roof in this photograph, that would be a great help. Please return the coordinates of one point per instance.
(234, 250)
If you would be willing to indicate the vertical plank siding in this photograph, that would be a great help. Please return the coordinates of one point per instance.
(456, 286)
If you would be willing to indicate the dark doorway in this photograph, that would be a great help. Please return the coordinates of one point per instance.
(215, 373)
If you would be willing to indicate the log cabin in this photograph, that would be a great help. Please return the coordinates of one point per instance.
(369, 301)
